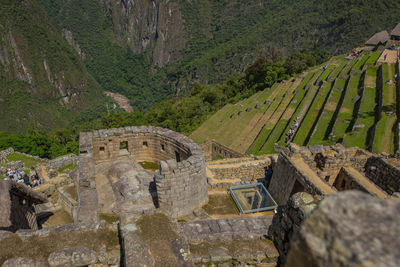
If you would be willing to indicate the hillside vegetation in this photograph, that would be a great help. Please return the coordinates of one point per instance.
(352, 101)
(58, 57)
(42, 79)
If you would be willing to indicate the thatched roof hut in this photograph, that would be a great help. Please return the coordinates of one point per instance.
(16, 198)
(378, 38)
(395, 34)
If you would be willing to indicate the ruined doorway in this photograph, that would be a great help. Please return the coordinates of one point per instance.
(297, 187)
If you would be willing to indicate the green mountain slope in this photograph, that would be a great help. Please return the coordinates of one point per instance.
(116, 67)
(349, 101)
(42, 79)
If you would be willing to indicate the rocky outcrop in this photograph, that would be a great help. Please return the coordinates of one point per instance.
(149, 26)
(349, 229)
(288, 219)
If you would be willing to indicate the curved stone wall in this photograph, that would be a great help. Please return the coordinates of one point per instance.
(143, 143)
(181, 181)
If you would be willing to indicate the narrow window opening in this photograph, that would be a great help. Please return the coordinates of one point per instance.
(177, 156)
(162, 147)
(101, 149)
(343, 184)
(123, 145)
(145, 144)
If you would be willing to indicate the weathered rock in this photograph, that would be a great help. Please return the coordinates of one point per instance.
(219, 254)
(79, 256)
(23, 262)
(349, 229)
(287, 221)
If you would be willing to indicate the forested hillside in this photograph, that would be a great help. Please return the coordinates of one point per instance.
(206, 41)
(42, 79)
(57, 57)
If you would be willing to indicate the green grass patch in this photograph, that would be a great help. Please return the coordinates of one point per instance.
(303, 104)
(349, 66)
(338, 69)
(67, 168)
(366, 118)
(384, 141)
(373, 58)
(306, 126)
(360, 63)
(150, 165)
(26, 160)
(346, 110)
(327, 115)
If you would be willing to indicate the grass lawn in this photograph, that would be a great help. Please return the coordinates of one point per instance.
(346, 110)
(366, 119)
(373, 58)
(150, 165)
(338, 69)
(384, 136)
(27, 161)
(349, 66)
(67, 168)
(302, 106)
(360, 63)
(264, 133)
(306, 126)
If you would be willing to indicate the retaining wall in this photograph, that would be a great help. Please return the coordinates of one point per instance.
(4, 154)
(67, 201)
(288, 178)
(214, 150)
(384, 174)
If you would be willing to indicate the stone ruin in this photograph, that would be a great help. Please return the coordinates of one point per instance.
(112, 185)
(17, 209)
(325, 170)
(110, 179)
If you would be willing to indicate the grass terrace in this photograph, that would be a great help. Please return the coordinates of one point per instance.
(345, 114)
(366, 116)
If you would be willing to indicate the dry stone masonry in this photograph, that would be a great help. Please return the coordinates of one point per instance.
(325, 170)
(108, 166)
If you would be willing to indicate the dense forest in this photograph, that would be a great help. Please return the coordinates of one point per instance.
(182, 114)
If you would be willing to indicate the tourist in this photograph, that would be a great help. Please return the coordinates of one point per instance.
(268, 175)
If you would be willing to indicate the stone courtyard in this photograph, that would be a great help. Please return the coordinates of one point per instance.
(179, 213)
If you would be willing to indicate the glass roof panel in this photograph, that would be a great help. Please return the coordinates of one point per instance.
(252, 198)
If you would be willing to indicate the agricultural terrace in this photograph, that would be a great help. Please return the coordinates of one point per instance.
(346, 100)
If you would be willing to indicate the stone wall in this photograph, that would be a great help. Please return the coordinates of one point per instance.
(23, 214)
(143, 143)
(4, 154)
(182, 186)
(250, 168)
(181, 181)
(67, 201)
(62, 161)
(383, 173)
(87, 195)
(83, 244)
(290, 178)
(288, 219)
(350, 228)
(214, 150)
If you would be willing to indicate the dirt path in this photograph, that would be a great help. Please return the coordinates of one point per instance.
(313, 178)
(366, 183)
(391, 56)
(122, 101)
